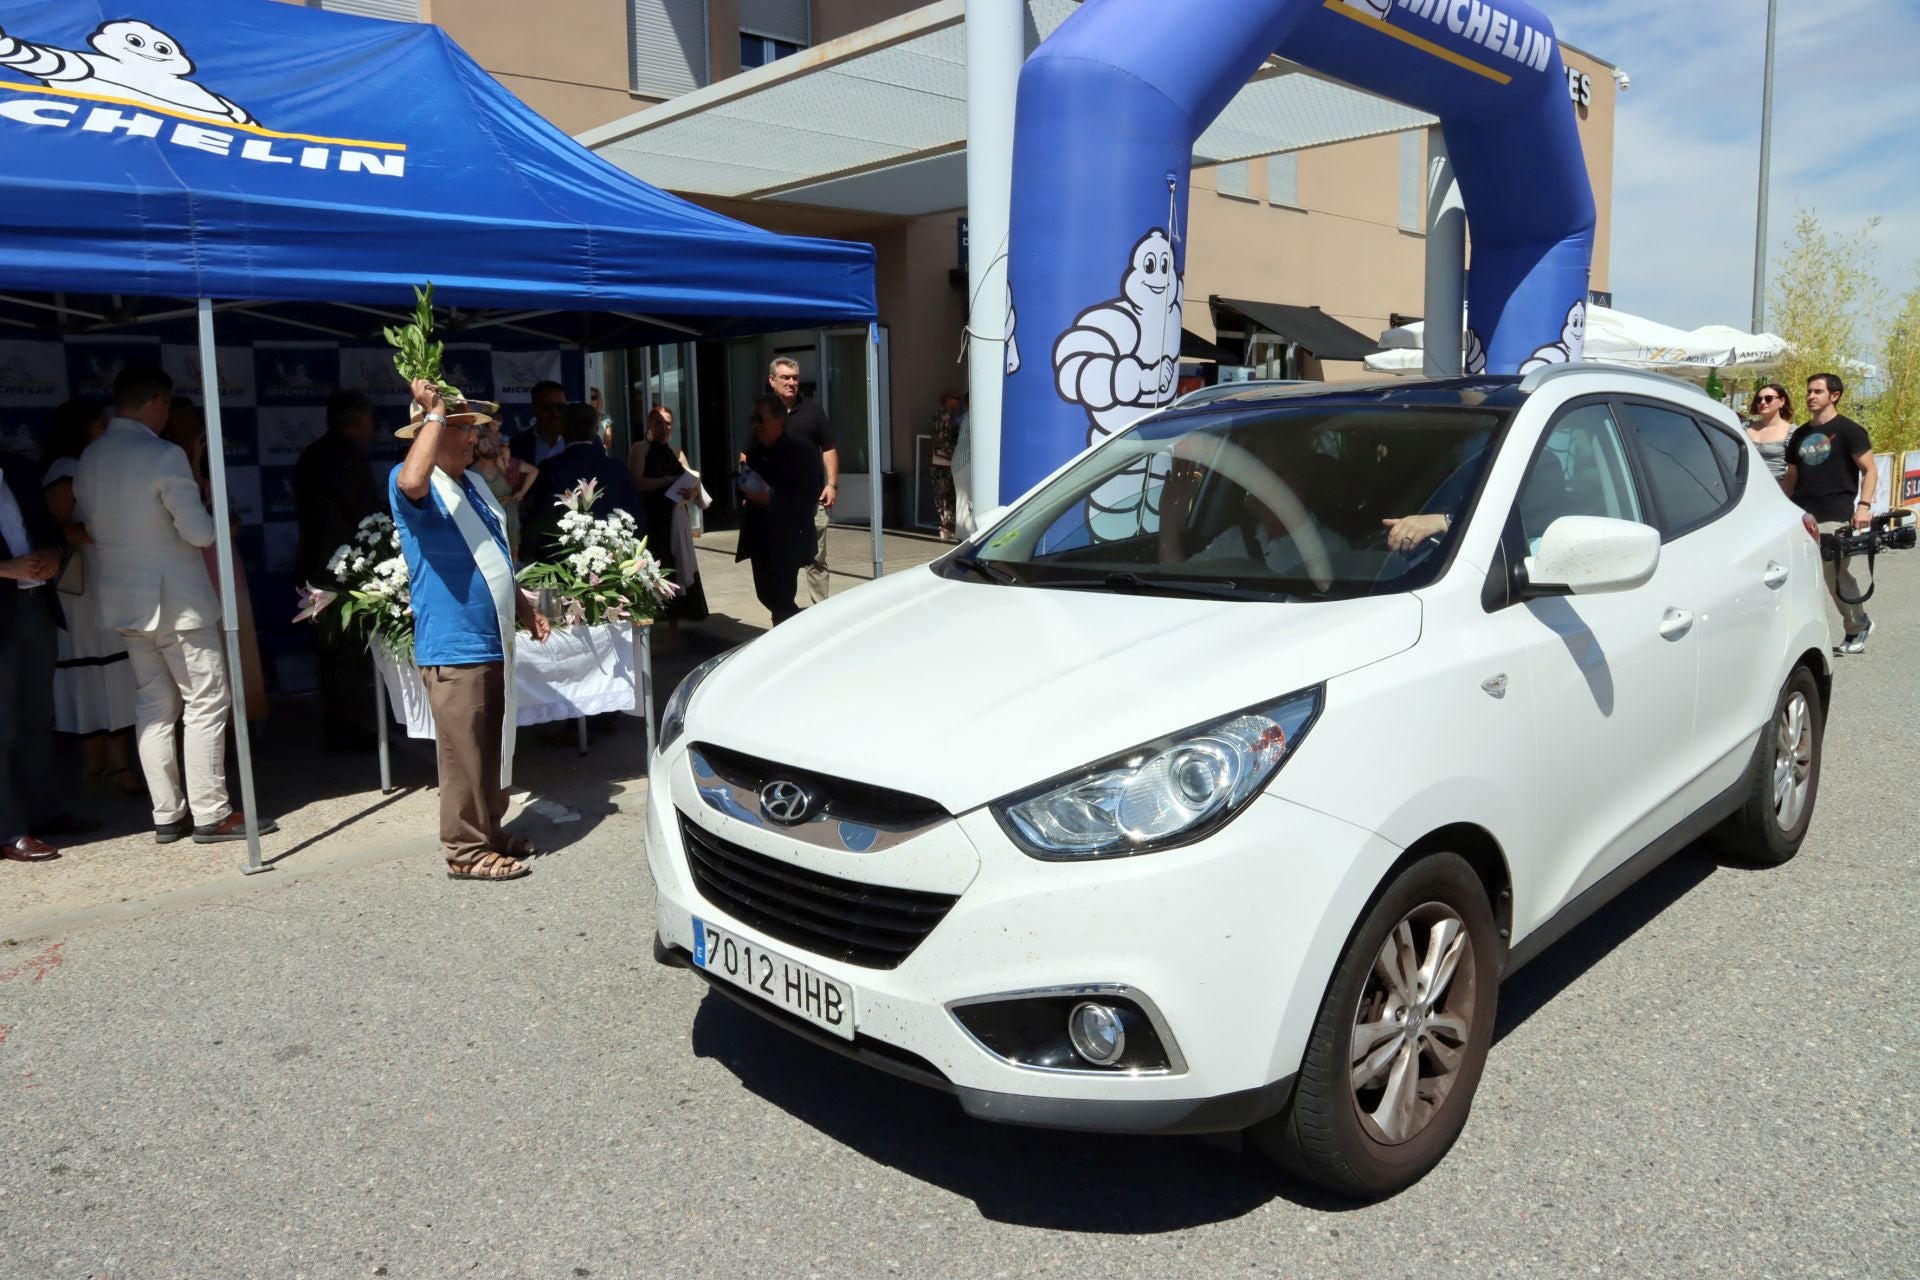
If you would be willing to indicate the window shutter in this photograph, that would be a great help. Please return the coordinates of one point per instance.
(787, 20)
(1413, 167)
(668, 41)
(396, 10)
(1283, 179)
(1234, 179)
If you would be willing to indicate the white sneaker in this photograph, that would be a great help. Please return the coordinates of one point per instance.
(1857, 642)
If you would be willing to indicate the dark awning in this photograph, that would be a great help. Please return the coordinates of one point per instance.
(1195, 347)
(1310, 327)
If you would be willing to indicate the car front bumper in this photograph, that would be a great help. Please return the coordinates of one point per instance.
(1231, 940)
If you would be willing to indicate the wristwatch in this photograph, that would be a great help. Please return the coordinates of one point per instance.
(440, 418)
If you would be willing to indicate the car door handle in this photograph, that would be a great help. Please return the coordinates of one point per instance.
(1776, 575)
(1675, 623)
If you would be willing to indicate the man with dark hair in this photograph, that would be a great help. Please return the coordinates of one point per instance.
(779, 491)
(807, 422)
(543, 439)
(1832, 474)
(334, 490)
(582, 459)
(148, 528)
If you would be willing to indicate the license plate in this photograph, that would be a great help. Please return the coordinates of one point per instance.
(804, 992)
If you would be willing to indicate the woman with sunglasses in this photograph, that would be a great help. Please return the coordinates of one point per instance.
(1771, 426)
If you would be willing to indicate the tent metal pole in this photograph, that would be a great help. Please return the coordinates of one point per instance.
(229, 609)
(380, 714)
(873, 449)
(646, 691)
(996, 36)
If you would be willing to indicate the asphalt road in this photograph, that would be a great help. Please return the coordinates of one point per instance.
(368, 1070)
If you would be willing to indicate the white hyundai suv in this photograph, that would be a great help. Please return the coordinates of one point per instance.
(1219, 782)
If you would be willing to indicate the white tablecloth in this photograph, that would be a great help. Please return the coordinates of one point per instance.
(579, 671)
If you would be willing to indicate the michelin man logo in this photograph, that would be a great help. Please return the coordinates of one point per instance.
(1572, 344)
(1120, 361)
(131, 60)
(1473, 354)
(1381, 9)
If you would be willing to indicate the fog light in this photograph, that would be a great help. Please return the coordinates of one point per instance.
(1095, 1032)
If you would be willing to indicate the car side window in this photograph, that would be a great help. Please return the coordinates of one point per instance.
(1581, 470)
(1731, 451)
(1685, 477)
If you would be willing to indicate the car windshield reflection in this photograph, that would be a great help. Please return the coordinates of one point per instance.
(1311, 503)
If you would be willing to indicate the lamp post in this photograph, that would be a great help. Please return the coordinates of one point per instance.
(1766, 158)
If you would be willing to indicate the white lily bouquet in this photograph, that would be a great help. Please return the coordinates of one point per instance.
(603, 572)
(375, 593)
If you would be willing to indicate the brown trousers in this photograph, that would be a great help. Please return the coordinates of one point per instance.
(468, 704)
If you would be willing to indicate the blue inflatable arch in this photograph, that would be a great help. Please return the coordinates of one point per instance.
(1109, 109)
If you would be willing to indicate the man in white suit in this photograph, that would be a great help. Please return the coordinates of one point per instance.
(148, 527)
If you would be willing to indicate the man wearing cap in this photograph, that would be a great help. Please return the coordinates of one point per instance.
(465, 604)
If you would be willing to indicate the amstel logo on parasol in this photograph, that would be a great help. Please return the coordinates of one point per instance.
(133, 64)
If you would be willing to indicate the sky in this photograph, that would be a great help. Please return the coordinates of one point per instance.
(1846, 140)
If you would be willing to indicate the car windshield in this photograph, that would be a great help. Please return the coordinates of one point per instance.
(1313, 502)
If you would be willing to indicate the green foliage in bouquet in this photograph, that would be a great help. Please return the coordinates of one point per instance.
(415, 353)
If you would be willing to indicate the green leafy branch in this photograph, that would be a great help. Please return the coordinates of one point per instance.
(415, 353)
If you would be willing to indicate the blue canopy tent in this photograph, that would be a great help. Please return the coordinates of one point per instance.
(306, 167)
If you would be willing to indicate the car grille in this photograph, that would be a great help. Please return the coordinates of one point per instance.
(842, 797)
(864, 924)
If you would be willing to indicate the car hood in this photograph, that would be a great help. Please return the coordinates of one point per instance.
(964, 692)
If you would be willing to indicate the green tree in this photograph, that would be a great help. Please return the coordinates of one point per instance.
(1825, 292)
(1897, 408)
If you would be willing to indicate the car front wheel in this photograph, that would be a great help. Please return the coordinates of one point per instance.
(1782, 781)
(1397, 1050)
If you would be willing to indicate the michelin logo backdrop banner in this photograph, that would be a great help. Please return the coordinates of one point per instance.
(273, 404)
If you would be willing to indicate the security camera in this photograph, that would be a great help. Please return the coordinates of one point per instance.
(1622, 81)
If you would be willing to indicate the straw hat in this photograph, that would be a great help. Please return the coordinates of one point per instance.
(460, 413)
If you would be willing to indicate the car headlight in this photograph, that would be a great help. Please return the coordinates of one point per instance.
(674, 723)
(1162, 794)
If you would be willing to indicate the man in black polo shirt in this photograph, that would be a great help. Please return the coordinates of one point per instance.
(807, 422)
(1832, 474)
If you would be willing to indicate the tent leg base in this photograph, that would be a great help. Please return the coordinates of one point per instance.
(254, 871)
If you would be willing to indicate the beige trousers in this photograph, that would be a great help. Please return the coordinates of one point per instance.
(182, 675)
(817, 571)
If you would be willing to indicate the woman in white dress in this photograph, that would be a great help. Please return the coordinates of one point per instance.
(93, 688)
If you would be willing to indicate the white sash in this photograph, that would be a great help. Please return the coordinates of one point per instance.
(498, 572)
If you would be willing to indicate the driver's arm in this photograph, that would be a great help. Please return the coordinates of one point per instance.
(1176, 504)
(1404, 533)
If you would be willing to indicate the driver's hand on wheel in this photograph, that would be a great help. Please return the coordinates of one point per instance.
(1407, 532)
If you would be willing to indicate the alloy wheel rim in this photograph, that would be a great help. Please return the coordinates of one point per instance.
(1412, 1024)
(1792, 761)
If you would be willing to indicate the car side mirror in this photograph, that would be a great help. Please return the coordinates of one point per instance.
(1586, 555)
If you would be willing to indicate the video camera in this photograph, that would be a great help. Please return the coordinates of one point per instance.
(1893, 531)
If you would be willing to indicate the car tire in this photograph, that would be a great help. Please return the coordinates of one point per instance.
(1346, 1136)
(1782, 780)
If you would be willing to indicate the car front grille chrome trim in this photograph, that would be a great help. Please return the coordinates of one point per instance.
(739, 798)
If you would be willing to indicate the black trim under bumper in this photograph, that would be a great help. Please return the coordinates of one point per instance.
(1228, 1113)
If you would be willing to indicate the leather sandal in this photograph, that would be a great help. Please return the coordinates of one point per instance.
(488, 866)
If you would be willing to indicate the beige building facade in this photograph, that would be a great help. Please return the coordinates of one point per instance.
(1338, 227)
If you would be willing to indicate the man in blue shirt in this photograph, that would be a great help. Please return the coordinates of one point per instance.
(465, 602)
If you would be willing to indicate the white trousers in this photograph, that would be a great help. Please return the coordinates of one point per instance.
(182, 674)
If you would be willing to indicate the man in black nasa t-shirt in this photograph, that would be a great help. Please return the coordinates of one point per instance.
(1831, 473)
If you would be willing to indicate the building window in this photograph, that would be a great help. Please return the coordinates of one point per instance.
(758, 51)
(1283, 180)
(667, 40)
(1413, 184)
(1234, 179)
(397, 10)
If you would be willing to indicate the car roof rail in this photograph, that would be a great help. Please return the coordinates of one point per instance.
(1549, 373)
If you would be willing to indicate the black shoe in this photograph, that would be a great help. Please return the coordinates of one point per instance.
(231, 827)
(168, 832)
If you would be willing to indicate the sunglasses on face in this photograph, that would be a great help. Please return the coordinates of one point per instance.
(1765, 399)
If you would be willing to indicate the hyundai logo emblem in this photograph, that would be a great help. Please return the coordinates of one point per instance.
(787, 803)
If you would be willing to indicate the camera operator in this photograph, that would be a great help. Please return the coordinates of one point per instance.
(1831, 474)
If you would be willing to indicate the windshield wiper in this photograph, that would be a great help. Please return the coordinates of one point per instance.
(1133, 584)
(987, 569)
